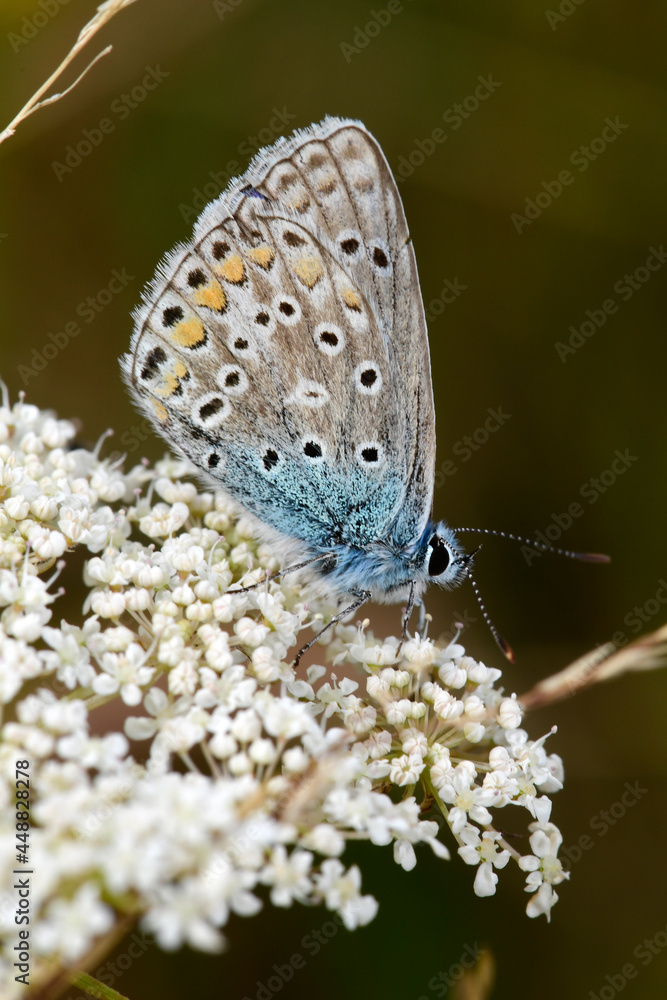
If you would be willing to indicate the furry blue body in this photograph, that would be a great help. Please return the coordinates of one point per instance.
(388, 572)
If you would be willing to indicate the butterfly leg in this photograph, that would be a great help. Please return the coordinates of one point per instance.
(281, 572)
(408, 611)
(361, 597)
(422, 625)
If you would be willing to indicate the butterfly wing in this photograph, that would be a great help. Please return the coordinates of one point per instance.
(284, 350)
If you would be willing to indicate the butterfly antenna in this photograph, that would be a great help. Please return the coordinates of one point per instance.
(502, 644)
(593, 557)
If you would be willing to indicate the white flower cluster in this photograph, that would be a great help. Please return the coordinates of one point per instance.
(254, 775)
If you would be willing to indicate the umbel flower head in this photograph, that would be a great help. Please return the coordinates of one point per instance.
(233, 772)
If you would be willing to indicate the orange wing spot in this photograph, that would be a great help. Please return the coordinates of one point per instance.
(188, 333)
(262, 255)
(232, 269)
(351, 299)
(211, 295)
(309, 270)
(168, 386)
(160, 410)
(180, 371)
(328, 185)
(301, 204)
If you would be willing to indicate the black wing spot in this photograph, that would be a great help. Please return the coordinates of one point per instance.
(329, 338)
(350, 246)
(232, 379)
(369, 454)
(380, 257)
(240, 344)
(196, 278)
(286, 308)
(262, 318)
(213, 460)
(293, 239)
(155, 358)
(210, 408)
(172, 315)
(220, 249)
(368, 377)
(312, 449)
(270, 459)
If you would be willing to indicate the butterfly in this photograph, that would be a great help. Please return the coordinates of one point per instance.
(284, 351)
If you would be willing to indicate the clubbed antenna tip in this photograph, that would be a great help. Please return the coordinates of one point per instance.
(505, 648)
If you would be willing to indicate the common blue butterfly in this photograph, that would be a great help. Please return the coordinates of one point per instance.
(283, 350)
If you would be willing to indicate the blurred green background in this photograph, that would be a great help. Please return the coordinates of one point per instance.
(231, 74)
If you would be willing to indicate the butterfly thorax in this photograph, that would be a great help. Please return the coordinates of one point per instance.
(389, 572)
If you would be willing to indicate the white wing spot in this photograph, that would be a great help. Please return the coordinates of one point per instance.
(351, 244)
(380, 256)
(210, 410)
(329, 338)
(232, 380)
(286, 309)
(368, 378)
(370, 454)
(309, 393)
(264, 320)
(314, 449)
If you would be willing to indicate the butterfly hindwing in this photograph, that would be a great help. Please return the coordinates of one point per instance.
(284, 351)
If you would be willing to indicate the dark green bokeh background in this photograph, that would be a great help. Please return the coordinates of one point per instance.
(493, 346)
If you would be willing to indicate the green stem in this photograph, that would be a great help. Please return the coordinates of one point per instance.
(94, 988)
(442, 807)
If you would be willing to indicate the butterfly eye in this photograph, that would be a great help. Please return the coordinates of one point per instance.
(440, 557)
